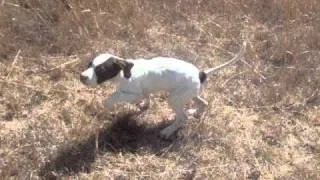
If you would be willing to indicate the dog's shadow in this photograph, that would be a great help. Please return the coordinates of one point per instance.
(125, 135)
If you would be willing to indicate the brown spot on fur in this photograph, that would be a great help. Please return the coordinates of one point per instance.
(125, 66)
(202, 76)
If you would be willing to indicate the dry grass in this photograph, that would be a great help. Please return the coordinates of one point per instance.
(52, 127)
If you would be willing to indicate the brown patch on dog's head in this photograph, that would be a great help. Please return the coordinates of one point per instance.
(125, 66)
(111, 68)
(105, 67)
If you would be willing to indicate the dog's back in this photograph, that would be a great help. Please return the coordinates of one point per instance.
(161, 73)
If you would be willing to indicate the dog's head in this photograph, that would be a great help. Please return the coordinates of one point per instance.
(105, 67)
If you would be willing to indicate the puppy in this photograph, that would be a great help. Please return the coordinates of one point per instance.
(136, 79)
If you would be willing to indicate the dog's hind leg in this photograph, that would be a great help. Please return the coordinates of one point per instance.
(177, 100)
(179, 121)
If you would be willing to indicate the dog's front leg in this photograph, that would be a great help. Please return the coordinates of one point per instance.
(121, 97)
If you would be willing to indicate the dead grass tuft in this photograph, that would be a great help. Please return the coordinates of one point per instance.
(263, 118)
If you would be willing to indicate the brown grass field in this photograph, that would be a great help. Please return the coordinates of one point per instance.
(263, 120)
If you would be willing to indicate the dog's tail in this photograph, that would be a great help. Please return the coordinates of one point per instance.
(236, 58)
(203, 74)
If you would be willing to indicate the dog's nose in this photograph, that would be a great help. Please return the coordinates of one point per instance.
(83, 79)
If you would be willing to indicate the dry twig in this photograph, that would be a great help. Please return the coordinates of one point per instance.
(63, 64)
(13, 64)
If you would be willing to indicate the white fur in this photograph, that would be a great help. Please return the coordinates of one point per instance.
(179, 78)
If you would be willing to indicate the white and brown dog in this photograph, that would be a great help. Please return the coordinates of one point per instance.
(136, 79)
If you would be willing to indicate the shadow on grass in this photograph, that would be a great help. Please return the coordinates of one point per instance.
(126, 136)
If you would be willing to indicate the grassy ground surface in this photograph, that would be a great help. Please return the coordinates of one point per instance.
(263, 117)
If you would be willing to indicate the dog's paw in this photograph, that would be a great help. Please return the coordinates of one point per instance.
(194, 113)
(191, 111)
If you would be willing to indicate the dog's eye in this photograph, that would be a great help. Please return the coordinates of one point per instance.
(90, 64)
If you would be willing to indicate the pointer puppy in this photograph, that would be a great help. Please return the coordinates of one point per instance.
(136, 79)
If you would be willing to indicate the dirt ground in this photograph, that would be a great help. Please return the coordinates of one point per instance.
(263, 118)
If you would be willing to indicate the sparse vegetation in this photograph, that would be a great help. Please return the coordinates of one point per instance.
(263, 119)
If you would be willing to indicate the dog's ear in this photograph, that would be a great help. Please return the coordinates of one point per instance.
(125, 66)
